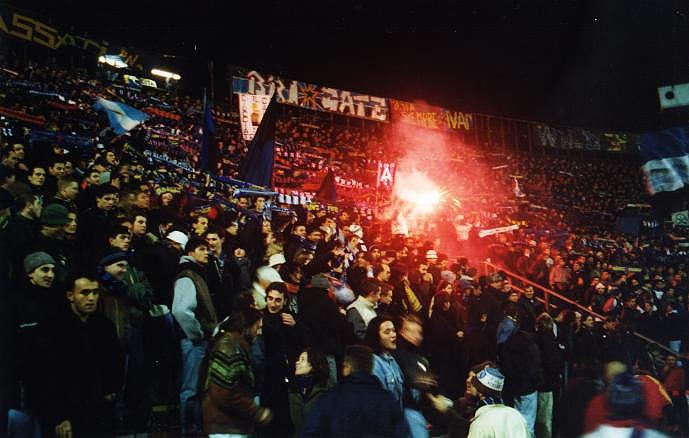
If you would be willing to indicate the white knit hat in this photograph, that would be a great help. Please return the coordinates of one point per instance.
(489, 381)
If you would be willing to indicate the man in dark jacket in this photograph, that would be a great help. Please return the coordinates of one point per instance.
(282, 340)
(162, 274)
(95, 222)
(358, 406)
(32, 307)
(50, 238)
(81, 389)
(481, 308)
(295, 241)
(520, 361)
(328, 328)
(529, 309)
(126, 303)
(67, 192)
(219, 272)
(553, 366)
(21, 228)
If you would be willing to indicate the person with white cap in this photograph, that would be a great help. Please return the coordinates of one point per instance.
(264, 276)
(493, 418)
(275, 261)
(178, 240)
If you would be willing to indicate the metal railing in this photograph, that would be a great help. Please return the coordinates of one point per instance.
(548, 294)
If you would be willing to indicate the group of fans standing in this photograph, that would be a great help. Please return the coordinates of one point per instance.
(119, 295)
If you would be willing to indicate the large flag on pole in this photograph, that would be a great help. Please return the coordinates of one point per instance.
(257, 167)
(209, 150)
(123, 118)
(665, 155)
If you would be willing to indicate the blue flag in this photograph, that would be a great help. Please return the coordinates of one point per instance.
(665, 155)
(209, 150)
(122, 117)
(257, 167)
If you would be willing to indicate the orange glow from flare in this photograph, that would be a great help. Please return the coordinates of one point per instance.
(422, 202)
(418, 195)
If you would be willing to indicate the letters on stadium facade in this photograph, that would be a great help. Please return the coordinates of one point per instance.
(314, 97)
(584, 139)
(36, 31)
(429, 116)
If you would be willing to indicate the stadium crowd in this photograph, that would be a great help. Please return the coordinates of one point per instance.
(126, 286)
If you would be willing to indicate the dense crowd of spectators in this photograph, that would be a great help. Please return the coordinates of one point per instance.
(125, 287)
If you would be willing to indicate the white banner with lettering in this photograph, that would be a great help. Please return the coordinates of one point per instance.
(499, 230)
(251, 110)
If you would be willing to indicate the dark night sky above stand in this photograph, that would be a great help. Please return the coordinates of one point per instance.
(578, 62)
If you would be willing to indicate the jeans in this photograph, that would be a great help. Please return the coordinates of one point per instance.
(416, 423)
(137, 386)
(527, 406)
(332, 366)
(544, 416)
(676, 345)
(190, 408)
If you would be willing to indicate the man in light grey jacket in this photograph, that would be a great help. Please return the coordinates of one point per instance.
(362, 310)
(193, 309)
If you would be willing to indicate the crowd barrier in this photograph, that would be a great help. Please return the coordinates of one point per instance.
(549, 295)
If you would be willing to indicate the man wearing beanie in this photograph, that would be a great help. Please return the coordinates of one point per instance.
(40, 267)
(493, 418)
(126, 303)
(50, 239)
(193, 309)
(33, 307)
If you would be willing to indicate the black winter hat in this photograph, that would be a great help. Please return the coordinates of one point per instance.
(111, 255)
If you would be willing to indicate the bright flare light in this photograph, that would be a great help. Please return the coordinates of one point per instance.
(417, 191)
(423, 202)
